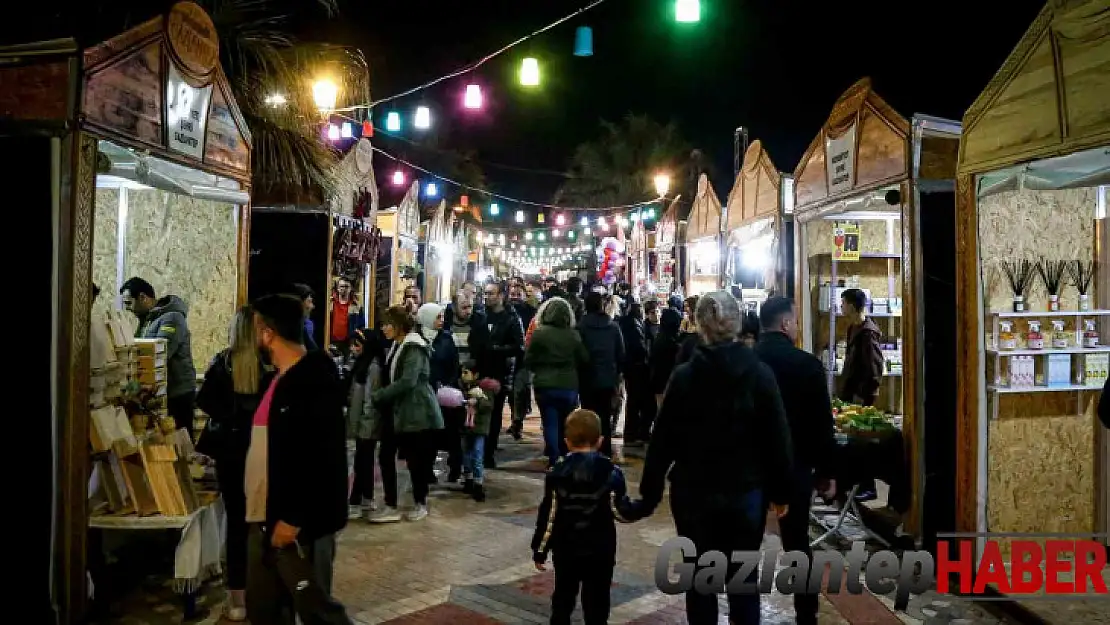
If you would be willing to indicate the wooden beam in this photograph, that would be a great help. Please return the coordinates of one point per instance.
(968, 368)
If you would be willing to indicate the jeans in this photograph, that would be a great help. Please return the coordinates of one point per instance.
(473, 446)
(733, 523)
(601, 402)
(522, 400)
(555, 405)
(794, 528)
(595, 576)
(420, 455)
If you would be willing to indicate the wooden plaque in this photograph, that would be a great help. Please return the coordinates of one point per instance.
(193, 43)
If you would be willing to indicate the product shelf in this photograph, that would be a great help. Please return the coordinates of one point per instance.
(1035, 314)
(1101, 349)
(997, 388)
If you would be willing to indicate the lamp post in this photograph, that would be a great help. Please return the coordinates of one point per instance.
(739, 148)
(325, 93)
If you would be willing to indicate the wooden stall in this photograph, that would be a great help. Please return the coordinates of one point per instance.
(437, 256)
(703, 241)
(867, 187)
(757, 255)
(666, 237)
(145, 120)
(1033, 168)
(637, 254)
(396, 266)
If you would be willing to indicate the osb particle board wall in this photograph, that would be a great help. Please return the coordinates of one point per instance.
(873, 238)
(182, 246)
(1039, 444)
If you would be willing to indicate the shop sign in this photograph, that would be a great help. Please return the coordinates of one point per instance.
(192, 38)
(364, 154)
(840, 161)
(186, 114)
(846, 240)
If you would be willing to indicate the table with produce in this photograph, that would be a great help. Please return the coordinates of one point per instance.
(870, 447)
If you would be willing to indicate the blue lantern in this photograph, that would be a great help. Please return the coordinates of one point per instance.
(584, 41)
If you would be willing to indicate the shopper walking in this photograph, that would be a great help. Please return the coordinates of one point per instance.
(805, 396)
(504, 346)
(522, 378)
(444, 370)
(364, 420)
(639, 410)
(416, 416)
(723, 438)
(605, 345)
(664, 352)
(555, 355)
(296, 473)
(233, 387)
(165, 318)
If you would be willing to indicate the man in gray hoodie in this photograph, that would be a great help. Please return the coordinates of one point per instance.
(165, 319)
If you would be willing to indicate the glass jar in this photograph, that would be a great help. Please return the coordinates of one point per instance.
(1059, 335)
(1034, 339)
(1090, 334)
(1006, 337)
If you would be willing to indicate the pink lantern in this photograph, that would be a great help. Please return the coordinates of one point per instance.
(399, 178)
(473, 97)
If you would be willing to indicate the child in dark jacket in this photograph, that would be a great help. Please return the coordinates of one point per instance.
(479, 414)
(584, 493)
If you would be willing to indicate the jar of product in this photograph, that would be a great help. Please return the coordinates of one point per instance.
(1054, 303)
(1059, 335)
(1084, 302)
(1090, 334)
(1019, 303)
(1034, 339)
(1006, 337)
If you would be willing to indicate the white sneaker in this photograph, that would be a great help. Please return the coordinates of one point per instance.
(385, 515)
(236, 615)
(354, 512)
(418, 513)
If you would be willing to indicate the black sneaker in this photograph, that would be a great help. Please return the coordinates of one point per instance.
(468, 486)
(479, 493)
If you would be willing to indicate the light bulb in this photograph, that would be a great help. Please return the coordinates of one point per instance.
(324, 93)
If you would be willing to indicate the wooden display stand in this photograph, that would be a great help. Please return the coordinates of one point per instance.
(1035, 459)
(703, 228)
(755, 211)
(872, 169)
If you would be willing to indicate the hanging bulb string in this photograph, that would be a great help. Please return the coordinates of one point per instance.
(491, 164)
(512, 200)
(475, 65)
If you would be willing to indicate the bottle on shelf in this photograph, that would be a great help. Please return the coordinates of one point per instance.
(1090, 334)
(1034, 339)
(1059, 335)
(1006, 337)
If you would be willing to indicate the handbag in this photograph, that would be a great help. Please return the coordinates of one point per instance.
(310, 602)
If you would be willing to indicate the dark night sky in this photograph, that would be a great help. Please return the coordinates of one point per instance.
(776, 66)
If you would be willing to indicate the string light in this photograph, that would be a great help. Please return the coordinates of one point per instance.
(423, 119)
(520, 217)
(431, 190)
(473, 97)
(333, 132)
(585, 221)
(555, 234)
(560, 220)
(530, 72)
(347, 131)
(393, 121)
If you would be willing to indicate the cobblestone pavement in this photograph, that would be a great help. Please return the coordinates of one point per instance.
(470, 563)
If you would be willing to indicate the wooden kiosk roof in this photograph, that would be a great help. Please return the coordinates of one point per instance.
(705, 216)
(757, 192)
(666, 232)
(1050, 96)
(637, 238)
(879, 149)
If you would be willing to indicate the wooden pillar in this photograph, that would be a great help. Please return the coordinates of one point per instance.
(968, 368)
(913, 426)
(243, 254)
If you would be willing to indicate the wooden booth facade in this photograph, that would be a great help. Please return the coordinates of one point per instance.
(637, 253)
(703, 241)
(666, 248)
(396, 265)
(868, 186)
(758, 250)
(1034, 166)
(126, 128)
(437, 257)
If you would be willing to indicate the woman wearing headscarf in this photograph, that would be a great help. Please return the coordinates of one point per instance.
(363, 419)
(664, 352)
(444, 371)
(721, 484)
(416, 415)
(233, 387)
(555, 355)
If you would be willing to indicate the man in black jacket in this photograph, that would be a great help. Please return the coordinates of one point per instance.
(805, 396)
(522, 378)
(296, 473)
(598, 386)
(639, 409)
(504, 346)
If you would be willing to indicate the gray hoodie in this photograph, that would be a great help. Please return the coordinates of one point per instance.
(167, 321)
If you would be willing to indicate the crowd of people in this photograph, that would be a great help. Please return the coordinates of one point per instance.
(731, 412)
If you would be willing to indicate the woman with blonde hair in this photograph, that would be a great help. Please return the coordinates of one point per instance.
(232, 389)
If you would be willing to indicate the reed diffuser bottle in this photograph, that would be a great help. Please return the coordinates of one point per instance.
(1052, 274)
(1019, 274)
(1081, 275)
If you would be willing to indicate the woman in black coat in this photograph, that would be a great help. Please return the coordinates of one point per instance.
(233, 388)
(444, 369)
(664, 351)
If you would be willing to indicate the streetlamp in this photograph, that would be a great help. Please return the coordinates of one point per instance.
(662, 184)
(325, 93)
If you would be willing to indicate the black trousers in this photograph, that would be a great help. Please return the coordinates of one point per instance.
(450, 439)
(230, 471)
(639, 405)
(363, 488)
(594, 576)
(420, 455)
(182, 409)
(495, 426)
(601, 402)
(387, 461)
(794, 528)
(270, 599)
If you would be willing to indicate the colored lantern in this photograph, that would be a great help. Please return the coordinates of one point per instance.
(399, 178)
(585, 221)
(368, 128)
(347, 131)
(570, 234)
(584, 41)
(393, 121)
(528, 236)
(530, 72)
(560, 220)
(520, 217)
(540, 236)
(423, 119)
(687, 11)
(494, 209)
(431, 190)
(555, 233)
(473, 97)
(333, 132)
(464, 200)
(539, 218)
